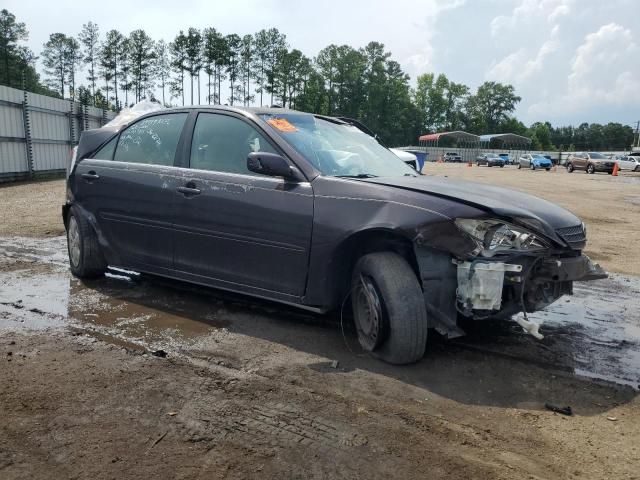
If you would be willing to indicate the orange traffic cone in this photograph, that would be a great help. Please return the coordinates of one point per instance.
(615, 169)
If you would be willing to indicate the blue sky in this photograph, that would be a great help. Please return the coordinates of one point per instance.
(571, 61)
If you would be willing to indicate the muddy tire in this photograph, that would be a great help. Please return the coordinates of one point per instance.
(591, 169)
(85, 257)
(570, 167)
(388, 308)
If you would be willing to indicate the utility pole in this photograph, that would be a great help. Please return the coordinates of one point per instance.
(637, 135)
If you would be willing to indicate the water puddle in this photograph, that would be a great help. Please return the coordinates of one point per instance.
(595, 333)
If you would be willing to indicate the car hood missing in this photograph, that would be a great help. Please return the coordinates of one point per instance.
(505, 203)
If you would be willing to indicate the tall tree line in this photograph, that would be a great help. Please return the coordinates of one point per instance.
(209, 67)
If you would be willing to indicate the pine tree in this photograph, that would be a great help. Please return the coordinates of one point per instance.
(161, 65)
(234, 44)
(178, 53)
(90, 38)
(141, 57)
(110, 57)
(11, 32)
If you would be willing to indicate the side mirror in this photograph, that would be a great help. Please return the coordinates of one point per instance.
(270, 164)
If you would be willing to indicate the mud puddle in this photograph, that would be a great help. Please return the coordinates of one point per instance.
(595, 333)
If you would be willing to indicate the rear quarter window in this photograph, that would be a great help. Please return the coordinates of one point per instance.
(106, 152)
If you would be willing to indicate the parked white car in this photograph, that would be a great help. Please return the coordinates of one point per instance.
(629, 162)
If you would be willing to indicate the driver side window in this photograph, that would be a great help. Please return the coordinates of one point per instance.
(222, 143)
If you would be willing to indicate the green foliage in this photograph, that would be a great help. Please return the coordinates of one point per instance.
(61, 57)
(90, 40)
(366, 83)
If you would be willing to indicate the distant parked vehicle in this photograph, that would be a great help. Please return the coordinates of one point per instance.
(628, 162)
(452, 157)
(408, 158)
(590, 162)
(508, 160)
(490, 160)
(534, 161)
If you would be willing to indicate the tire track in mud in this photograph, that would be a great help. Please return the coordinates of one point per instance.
(273, 424)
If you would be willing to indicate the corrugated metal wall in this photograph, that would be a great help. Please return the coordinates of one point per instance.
(52, 126)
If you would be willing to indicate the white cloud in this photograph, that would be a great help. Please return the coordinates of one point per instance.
(605, 72)
(423, 60)
(530, 13)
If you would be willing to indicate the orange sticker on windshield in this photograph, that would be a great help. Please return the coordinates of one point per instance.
(282, 124)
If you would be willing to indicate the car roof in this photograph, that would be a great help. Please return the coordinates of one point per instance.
(254, 110)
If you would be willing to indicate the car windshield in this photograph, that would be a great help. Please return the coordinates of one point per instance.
(540, 157)
(492, 155)
(336, 149)
(596, 155)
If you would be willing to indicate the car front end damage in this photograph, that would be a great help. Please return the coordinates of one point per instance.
(491, 268)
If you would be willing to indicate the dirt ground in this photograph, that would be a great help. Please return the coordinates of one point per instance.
(134, 377)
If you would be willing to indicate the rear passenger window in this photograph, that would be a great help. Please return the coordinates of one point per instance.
(222, 143)
(152, 141)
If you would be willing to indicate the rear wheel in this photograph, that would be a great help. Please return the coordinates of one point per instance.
(591, 169)
(388, 307)
(85, 258)
(532, 166)
(547, 169)
(519, 166)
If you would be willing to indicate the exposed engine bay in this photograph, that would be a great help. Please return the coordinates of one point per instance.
(507, 270)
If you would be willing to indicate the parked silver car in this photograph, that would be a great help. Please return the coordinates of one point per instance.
(628, 162)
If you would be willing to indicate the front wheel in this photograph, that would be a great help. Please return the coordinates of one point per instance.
(591, 169)
(85, 257)
(570, 167)
(533, 167)
(388, 308)
(501, 166)
(547, 169)
(519, 166)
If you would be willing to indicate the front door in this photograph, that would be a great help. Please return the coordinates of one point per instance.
(129, 189)
(234, 228)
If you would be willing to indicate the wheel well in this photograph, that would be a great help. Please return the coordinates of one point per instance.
(363, 243)
(65, 214)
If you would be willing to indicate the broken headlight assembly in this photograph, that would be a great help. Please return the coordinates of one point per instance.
(493, 236)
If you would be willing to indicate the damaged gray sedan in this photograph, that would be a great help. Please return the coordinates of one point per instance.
(310, 211)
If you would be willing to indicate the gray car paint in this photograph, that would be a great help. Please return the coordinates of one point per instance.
(246, 231)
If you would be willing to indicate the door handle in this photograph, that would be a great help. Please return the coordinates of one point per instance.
(188, 191)
(90, 176)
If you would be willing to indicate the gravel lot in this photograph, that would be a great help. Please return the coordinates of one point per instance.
(245, 389)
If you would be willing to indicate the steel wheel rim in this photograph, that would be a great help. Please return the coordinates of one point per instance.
(368, 310)
(73, 240)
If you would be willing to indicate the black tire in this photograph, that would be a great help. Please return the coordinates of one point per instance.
(502, 166)
(88, 261)
(401, 336)
(591, 169)
(570, 168)
(519, 166)
(547, 169)
(532, 166)
(477, 164)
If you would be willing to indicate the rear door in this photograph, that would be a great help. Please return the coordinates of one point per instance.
(129, 187)
(580, 161)
(235, 228)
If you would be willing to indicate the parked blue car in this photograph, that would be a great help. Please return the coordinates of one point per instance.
(535, 161)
